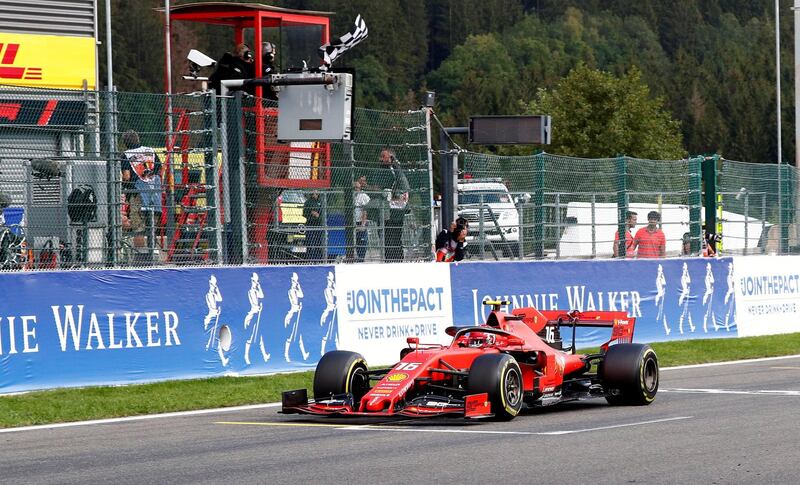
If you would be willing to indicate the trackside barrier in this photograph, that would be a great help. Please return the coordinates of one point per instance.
(66, 329)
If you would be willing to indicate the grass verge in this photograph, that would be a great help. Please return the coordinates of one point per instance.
(64, 405)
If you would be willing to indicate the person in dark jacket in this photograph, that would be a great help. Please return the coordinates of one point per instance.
(312, 211)
(446, 236)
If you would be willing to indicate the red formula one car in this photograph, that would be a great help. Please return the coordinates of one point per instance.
(488, 370)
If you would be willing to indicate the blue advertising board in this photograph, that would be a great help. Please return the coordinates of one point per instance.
(672, 299)
(61, 329)
(109, 327)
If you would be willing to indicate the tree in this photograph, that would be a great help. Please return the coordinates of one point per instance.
(598, 115)
(480, 78)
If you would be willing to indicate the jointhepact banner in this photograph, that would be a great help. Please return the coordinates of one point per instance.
(767, 294)
(672, 299)
(65, 329)
(381, 305)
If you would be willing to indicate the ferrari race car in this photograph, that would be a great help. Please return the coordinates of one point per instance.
(490, 370)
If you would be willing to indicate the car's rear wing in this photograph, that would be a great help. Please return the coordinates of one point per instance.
(620, 323)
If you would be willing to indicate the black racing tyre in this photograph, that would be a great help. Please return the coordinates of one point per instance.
(499, 376)
(630, 374)
(341, 372)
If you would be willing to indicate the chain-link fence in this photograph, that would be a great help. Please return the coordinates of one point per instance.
(97, 179)
(319, 202)
(756, 205)
(548, 206)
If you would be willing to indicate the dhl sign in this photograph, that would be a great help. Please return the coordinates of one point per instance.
(51, 61)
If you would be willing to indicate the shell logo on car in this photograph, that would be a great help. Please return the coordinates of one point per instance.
(400, 376)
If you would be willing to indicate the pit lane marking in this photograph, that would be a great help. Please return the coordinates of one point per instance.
(763, 392)
(371, 427)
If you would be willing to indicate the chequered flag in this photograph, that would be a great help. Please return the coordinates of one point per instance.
(330, 51)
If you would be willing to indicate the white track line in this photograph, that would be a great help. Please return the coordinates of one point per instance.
(731, 362)
(276, 404)
(141, 418)
(733, 391)
(536, 433)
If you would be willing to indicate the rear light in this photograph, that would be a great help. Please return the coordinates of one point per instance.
(280, 211)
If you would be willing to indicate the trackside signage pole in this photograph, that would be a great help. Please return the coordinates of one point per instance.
(448, 167)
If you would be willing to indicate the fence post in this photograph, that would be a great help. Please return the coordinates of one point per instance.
(113, 173)
(622, 204)
(695, 190)
(785, 206)
(212, 170)
(538, 206)
(709, 171)
(237, 253)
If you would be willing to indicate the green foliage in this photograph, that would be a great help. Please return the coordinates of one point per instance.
(712, 61)
(479, 78)
(598, 115)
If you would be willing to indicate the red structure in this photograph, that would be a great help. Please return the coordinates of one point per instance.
(273, 160)
(278, 166)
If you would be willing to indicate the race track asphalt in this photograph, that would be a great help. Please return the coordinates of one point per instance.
(712, 425)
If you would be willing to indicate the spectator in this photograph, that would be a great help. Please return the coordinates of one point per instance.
(141, 186)
(233, 66)
(453, 246)
(708, 251)
(360, 221)
(650, 241)
(312, 211)
(630, 223)
(268, 51)
(395, 185)
(708, 245)
(446, 235)
(686, 241)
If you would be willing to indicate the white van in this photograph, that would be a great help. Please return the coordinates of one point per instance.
(488, 200)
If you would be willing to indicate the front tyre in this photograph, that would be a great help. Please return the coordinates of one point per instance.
(341, 372)
(630, 374)
(500, 377)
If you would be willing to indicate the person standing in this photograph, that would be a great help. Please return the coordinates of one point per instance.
(141, 185)
(312, 211)
(650, 241)
(630, 223)
(395, 185)
(360, 221)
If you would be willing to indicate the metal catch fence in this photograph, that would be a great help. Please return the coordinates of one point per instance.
(97, 179)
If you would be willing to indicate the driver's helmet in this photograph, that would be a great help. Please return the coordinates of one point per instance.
(480, 339)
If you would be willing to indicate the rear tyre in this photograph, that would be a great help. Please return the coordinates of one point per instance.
(341, 372)
(630, 374)
(499, 376)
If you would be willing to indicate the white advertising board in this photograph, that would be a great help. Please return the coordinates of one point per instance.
(767, 294)
(382, 305)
